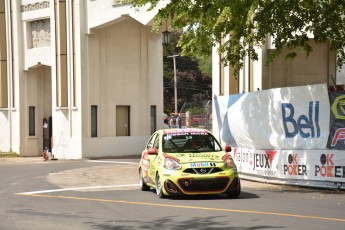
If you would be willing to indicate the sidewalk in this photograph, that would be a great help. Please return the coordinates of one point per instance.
(21, 159)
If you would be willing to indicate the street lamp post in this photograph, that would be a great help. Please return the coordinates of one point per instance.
(166, 41)
(175, 80)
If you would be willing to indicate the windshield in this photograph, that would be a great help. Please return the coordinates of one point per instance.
(190, 142)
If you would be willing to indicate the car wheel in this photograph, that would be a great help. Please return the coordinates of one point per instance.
(159, 190)
(143, 185)
(235, 194)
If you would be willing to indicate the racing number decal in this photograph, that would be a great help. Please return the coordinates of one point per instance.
(151, 169)
(148, 168)
(144, 162)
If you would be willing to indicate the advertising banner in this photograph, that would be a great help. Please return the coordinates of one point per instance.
(319, 165)
(337, 122)
(222, 103)
(282, 118)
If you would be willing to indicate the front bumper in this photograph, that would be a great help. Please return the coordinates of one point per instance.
(190, 185)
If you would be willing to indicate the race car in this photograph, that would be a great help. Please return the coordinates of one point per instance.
(187, 162)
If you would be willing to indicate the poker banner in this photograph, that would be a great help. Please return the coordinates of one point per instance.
(305, 165)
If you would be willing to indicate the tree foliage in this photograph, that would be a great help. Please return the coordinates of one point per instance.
(249, 22)
(193, 85)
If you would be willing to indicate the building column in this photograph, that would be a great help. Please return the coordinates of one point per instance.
(3, 58)
(61, 53)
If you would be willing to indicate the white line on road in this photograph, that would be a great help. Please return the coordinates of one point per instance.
(113, 162)
(73, 189)
(85, 188)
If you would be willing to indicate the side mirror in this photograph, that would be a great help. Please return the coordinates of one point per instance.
(152, 151)
(227, 148)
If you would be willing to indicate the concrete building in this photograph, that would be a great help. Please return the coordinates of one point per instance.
(81, 77)
(319, 67)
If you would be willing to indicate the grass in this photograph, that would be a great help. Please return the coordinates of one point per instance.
(8, 154)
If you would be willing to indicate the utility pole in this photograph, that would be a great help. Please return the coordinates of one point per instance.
(175, 80)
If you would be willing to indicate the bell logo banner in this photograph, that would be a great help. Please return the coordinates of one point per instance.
(282, 118)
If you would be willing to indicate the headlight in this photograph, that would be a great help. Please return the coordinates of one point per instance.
(229, 162)
(170, 163)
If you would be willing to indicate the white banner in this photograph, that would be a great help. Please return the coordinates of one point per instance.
(283, 118)
(319, 165)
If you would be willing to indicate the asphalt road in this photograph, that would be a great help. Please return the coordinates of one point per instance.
(104, 194)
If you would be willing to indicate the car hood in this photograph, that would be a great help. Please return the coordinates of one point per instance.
(197, 157)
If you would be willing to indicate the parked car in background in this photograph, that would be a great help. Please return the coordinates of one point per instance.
(187, 162)
(198, 119)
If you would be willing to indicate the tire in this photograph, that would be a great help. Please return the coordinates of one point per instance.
(235, 194)
(143, 185)
(159, 190)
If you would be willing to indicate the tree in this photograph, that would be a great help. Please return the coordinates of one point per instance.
(193, 85)
(248, 22)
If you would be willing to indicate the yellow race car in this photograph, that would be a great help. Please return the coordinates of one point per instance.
(187, 162)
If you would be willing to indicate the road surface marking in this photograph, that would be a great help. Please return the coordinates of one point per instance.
(113, 162)
(186, 207)
(79, 188)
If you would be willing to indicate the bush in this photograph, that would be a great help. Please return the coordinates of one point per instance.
(8, 154)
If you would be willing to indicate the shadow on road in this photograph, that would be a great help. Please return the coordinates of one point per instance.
(173, 222)
(243, 195)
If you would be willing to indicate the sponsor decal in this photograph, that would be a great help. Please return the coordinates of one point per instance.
(293, 168)
(337, 121)
(306, 126)
(264, 160)
(338, 107)
(202, 164)
(168, 172)
(144, 162)
(338, 135)
(259, 162)
(203, 155)
(144, 165)
(177, 132)
(327, 168)
(271, 154)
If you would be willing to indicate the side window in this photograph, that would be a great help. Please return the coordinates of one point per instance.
(151, 142)
(156, 144)
(215, 145)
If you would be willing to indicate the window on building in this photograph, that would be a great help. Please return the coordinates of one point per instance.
(32, 131)
(93, 120)
(122, 120)
(153, 119)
